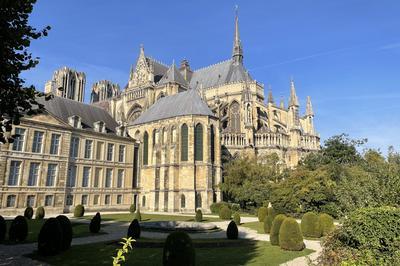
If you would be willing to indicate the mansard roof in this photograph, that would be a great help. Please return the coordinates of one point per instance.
(173, 75)
(63, 108)
(184, 103)
(218, 74)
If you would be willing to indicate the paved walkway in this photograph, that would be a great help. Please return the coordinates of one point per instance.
(12, 255)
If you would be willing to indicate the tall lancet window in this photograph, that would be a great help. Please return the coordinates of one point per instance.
(235, 117)
(198, 142)
(184, 143)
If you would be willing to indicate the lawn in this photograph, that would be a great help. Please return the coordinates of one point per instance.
(127, 217)
(34, 226)
(258, 226)
(252, 253)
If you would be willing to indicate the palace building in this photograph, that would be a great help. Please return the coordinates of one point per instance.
(156, 143)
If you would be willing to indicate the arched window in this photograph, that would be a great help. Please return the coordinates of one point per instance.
(184, 143)
(234, 114)
(154, 137)
(198, 142)
(183, 201)
(143, 201)
(145, 148)
(212, 144)
(173, 134)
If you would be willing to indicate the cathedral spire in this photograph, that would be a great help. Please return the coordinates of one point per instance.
(141, 49)
(293, 101)
(270, 97)
(237, 53)
(309, 109)
(282, 103)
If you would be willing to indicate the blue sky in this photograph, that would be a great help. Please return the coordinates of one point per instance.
(345, 54)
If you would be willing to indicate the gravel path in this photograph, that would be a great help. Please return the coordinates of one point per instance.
(12, 255)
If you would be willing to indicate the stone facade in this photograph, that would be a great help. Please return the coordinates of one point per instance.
(104, 90)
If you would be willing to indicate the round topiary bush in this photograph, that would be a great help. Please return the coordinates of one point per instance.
(276, 225)
(66, 229)
(290, 237)
(225, 213)
(199, 216)
(310, 225)
(28, 213)
(95, 224)
(216, 207)
(79, 210)
(40, 213)
(232, 231)
(50, 239)
(178, 250)
(236, 218)
(18, 229)
(326, 222)
(132, 208)
(134, 229)
(262, 212)
(3, 229)
(268, 224)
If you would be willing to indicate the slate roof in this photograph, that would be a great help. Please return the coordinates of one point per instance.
(159, 68)
(63, 108)
(173, 75)
(221, 73)
(184, 103)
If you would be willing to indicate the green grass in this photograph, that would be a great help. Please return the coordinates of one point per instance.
(257, 253)
(258, 226)
(34, 226)
(127, 217)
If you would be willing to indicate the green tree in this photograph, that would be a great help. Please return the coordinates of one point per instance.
(16, 99)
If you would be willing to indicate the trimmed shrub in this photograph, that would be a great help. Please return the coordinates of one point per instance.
(18, 229)
(132, 208)
(225, 213)
(40, 213)
(134, 229)
(276, 225)
(95, 223)
(199, 216)
(326, 222)
(28, 213)
(236, 218)
(66, 229)
(310, 226)
(137, 215)
(216, 207)
(268, 224)
(178, 250)
(79, 210)
(290, 237)
(235, 207)
(50, 238)
(272, 212)
(368, 236)
(262, 212)
(232, 231)
(3, 229)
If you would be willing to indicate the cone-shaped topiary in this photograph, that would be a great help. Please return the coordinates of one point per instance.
(310, 225)
(262, 212)
(95, 223)
(18, 229)
(79, 210)
(268, 224)
(326, 222)
(225, 213)
(272, 212)
(137, 215)
(178, 250)
(290, 237)
(28, 213)
(232, 231)
(134, 229)
(50, 238)
(40, 213)
(276, 225)
(66, 228)
(3, 229)
(132, 208)
(236, 218)
(199, 216)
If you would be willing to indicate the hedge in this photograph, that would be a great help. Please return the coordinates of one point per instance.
(310, 225)
(199, 216)
(50, 239)
(79, 210)
(225, 213)
(276, 225)
(290, 237)
(236, 218)
(262, 212)
(268, 224)
(66, 228)
(326, 222)
(18, 229)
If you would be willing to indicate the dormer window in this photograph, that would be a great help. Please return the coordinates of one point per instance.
(121, 131)
(75, 121)
(100, 126)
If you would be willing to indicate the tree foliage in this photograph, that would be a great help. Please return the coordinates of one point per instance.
(16, 99)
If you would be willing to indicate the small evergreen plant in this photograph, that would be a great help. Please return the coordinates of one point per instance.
(79, 210)
(28, 213)
(40, 213)
(232, 231)
(178, 250)
(290, 237)
(276, 225)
